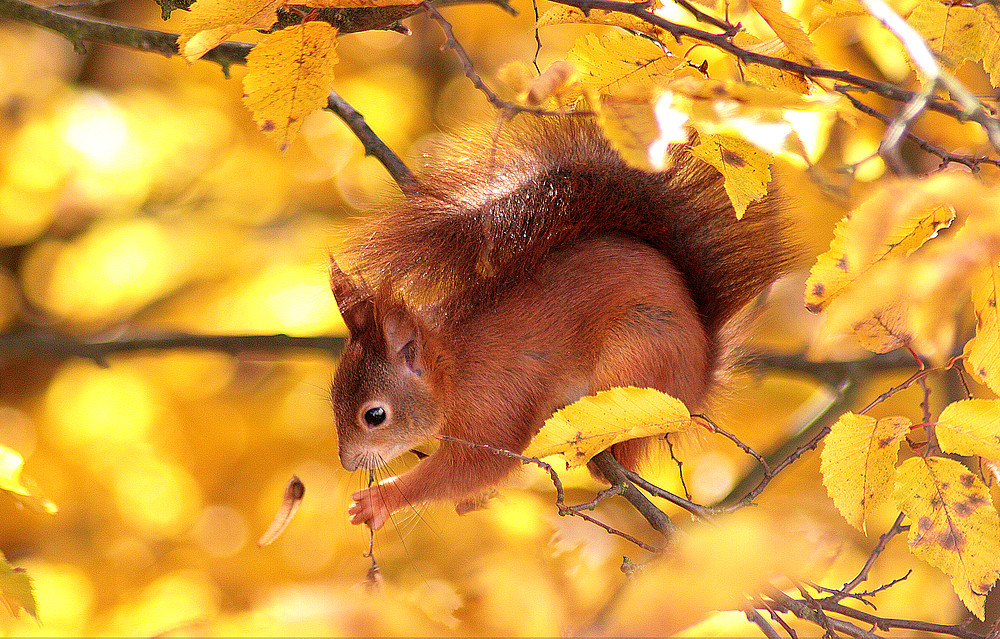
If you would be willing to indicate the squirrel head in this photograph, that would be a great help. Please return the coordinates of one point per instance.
(382, 391)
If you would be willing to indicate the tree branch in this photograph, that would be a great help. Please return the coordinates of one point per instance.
(724, 42)
(374, 146)
(39, 343)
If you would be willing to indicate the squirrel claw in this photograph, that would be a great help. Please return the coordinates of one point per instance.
(368, 507)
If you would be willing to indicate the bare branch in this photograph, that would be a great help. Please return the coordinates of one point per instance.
(39, 343)
(560, 492)
(724, 42)
(374, 146)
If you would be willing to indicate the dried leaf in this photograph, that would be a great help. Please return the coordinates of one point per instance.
(954, 526)
(295, 490)
(858, 463)
(745, 169)
(289, 76)
(970, 427)
(591, 424)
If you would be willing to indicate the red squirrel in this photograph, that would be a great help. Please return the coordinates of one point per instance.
(523, 273)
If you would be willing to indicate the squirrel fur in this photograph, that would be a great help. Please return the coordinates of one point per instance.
(520, 274)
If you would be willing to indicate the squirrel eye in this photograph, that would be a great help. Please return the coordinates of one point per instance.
(375, 416)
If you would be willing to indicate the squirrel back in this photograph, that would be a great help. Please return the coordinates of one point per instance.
(520, 274)
(479, 219)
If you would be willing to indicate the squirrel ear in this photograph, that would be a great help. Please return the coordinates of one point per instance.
(354, 302)
(400, 328)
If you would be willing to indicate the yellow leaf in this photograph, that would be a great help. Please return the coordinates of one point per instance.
(642, 128)
(788, 29)
(766, 76)
(617, 61)
(858, 463)
(957, 33)
(593, 423)
(213, 21)
(893, 223)
(746, 170)
(887, 329)
(562, 14)
(953, 526)
(21, 488)
(982, 352)
(970, 427)
(827, 9)
(289, 76)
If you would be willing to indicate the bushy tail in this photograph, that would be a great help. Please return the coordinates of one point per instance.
(492, 210)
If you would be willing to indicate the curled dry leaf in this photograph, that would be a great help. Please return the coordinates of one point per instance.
(294, 492)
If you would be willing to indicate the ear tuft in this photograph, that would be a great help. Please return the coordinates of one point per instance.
(353, 299)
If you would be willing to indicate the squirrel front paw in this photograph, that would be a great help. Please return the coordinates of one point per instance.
(369, 506)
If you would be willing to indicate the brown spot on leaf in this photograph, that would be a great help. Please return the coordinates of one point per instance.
(885, 441)
(924, 524)
(952, 540)
(813, 307)
(936, 502)
(992, 302)
(963, 509)
(977, 500)
(732, 159)
(267, 125)
(968, 480)
(842, 263)
(982, 372)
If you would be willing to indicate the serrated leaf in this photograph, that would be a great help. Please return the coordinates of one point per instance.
(562, 14)
(211, 22)
(858, 463)
(960, 33)
(593, 423)
(22, 489)
(953, 526)
(970, 427)
(289, 76)
(891, 224)
(613, 62)
(982, 352)
(745, 169)
(17, 590)
(763, 75)
(887, 329)
(788, 29)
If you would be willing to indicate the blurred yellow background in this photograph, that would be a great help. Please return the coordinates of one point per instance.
(137, 194)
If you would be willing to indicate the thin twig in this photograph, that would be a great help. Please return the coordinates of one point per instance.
(374, 146)
(755, 618)
(451, 42)
(564, 509)
(615, 473)
(883, 541)
(971, 162)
